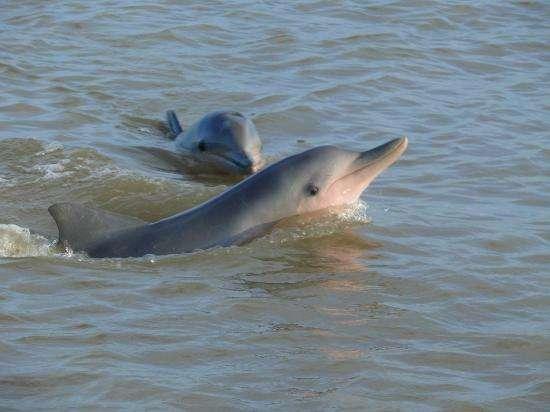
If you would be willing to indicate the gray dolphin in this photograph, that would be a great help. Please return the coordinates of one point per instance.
(319, 178)
(226, 140)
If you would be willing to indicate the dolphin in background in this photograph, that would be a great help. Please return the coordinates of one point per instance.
(225, 140)
(317, 179)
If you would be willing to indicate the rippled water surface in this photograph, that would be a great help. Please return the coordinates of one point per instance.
(440, 302)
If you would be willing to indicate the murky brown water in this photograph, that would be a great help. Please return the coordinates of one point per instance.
(441, 302)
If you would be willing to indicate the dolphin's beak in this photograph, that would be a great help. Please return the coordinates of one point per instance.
(381, 157)
(257, 164)
(247, 164)
(364, 169)
(239, 163)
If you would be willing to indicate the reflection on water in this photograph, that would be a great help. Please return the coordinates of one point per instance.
(432, 297)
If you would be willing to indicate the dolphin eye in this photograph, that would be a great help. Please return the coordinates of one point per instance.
(201, 146)
(312, 190)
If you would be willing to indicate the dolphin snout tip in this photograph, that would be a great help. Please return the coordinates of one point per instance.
(248, 164)
(385, 154)
(254, 168)
(397, 146)
(257, 165)
(403, 143)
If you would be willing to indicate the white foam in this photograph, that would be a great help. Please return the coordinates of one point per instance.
(50, 147)
(356, 213)
(5, 183)
(17, 241)
(53, 170)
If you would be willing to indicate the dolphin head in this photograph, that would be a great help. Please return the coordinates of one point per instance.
(229, 141)
(320, 178)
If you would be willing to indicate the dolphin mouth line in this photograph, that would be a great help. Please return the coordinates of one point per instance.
(401, 145)
(234, 162)
(237, 164)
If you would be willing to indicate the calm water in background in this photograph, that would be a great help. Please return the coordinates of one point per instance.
(441, 301)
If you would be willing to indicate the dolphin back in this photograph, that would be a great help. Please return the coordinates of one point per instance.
(80, 227)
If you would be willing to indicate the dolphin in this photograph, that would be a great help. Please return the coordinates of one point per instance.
(226, 140)
(317, 179)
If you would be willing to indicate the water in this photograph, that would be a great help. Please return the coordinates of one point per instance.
(440, 302)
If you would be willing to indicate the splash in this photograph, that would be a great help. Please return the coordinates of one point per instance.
(17, 241)
(322, 223)
(53, 171)
(355, 213)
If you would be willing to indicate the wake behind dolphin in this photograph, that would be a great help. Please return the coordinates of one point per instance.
(317, 179)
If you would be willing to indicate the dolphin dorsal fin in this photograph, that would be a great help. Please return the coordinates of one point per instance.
(80, 226)
(173, 124)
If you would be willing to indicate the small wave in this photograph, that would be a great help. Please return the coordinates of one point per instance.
(17, 241)
(53, 170)
(322, 223)
(30, 161)
(50, 147)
